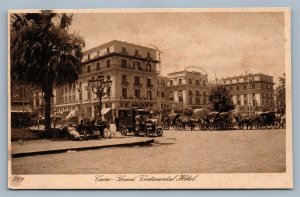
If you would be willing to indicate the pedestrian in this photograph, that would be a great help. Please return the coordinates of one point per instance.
(72, 131)
(107, 132)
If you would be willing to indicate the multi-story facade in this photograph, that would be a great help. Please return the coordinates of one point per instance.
(250, 93)
(184, 89)
(135, 82)
(132, 69)
(21, 97)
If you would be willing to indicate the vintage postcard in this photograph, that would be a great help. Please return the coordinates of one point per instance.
(150, 99)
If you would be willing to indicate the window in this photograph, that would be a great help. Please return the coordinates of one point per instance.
(124, 93)
(148, 67)
(107, 50)
(88, 68)
(253, 86)
(108, 63)
(124, 78)
(137, 80)
(98, 66)
(253, 95)
(204, 93)
(89, 56)
(149, 83)
(149, 95)
(237, 87)
(204, 83)
(180, 99)
(197, 93)
(124, 63)
(245, 87)
(197, 82)
(190, 92)
(190, 101)
(171, 82)
(137, 65)
(179, 81)
(124, 50)
(197, 101)
(231, 88)
(137, 94)
(162, 94)
(148, 55)
(136, 52)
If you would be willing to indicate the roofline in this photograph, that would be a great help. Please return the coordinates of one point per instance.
(114, 41)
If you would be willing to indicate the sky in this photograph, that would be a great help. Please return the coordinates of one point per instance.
(222, 43)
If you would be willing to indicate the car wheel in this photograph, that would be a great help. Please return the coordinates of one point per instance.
(159, 132)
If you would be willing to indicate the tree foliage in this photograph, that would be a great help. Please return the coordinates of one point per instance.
(43, 53)
(280, 100)
(220, 99)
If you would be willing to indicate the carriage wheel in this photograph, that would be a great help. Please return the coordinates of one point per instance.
(166, 126)
(211, 126)
(276, 125)
(269, 125)
(178, 126)
(263, 126)
(220, 125)
(123, 131)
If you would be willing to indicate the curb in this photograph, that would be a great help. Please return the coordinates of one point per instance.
(63, 150)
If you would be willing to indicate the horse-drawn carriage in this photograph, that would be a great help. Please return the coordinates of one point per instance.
(262, 120)
(171, 120)
(266, 120)
(216, 121)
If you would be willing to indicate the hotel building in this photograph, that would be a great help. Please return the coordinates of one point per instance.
(250, 93)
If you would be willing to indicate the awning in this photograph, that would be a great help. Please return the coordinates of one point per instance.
(105, 111)
(71, 114)
(20, 109)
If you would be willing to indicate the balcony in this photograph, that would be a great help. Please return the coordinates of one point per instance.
(137, 84)
(125, 83)
(149, 85)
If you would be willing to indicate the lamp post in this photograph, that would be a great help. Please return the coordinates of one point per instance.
(248, 73)
(100, 86)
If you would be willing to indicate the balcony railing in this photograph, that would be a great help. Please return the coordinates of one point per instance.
(126, 83)
(150, 85)
(138, 84)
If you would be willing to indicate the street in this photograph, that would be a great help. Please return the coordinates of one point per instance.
(240, 151)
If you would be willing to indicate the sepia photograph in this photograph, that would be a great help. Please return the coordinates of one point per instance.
(149, 99)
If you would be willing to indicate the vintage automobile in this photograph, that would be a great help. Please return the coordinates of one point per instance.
(137, 120)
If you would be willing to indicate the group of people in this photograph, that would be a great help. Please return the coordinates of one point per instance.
(90, 129)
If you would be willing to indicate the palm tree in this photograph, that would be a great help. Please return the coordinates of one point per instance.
(44, 54)
(219, 97)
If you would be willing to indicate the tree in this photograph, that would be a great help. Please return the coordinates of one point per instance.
(219, 97)
(280, 102)
(44, 54)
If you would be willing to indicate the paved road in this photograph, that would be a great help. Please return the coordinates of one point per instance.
(175, 152)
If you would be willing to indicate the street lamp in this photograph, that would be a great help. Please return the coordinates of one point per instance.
(100, 86)
(248, 73)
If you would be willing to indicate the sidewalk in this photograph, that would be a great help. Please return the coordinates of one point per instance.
(41, 147)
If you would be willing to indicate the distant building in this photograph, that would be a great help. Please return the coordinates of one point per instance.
(184, 89)
(21, 104)
(250, 93)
